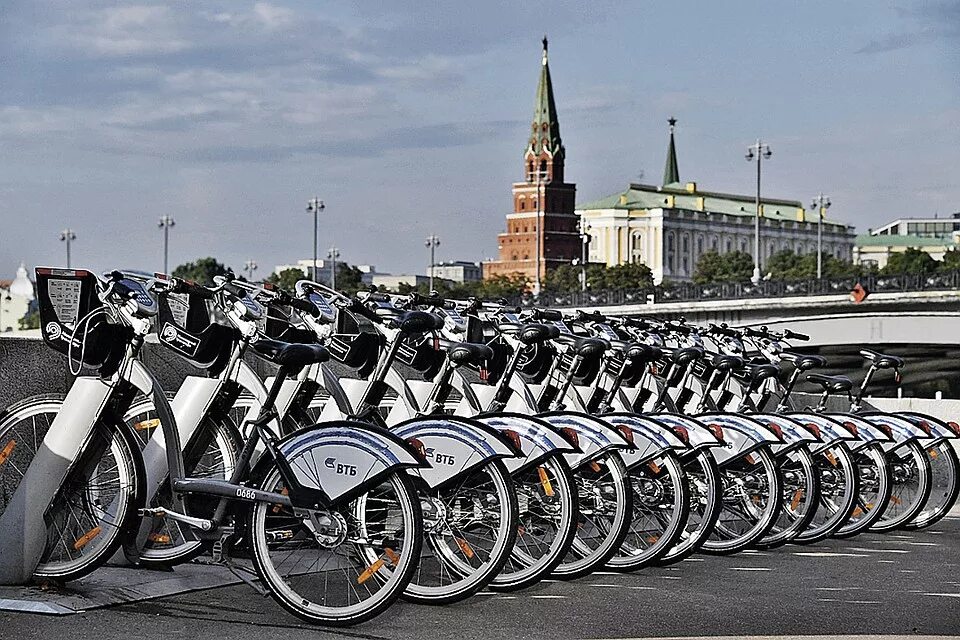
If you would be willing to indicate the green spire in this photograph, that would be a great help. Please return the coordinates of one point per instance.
(545, 130)
(671, 173)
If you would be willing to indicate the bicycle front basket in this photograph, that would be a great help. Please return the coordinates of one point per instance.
(184, 326)
(67, 299)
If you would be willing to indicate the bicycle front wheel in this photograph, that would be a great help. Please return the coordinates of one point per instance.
(912, 484)
(338, 567)
(800, 497)
(873, 494)
(945, 469)
(98, 500)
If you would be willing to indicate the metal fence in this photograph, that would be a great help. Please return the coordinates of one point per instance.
(688, 291)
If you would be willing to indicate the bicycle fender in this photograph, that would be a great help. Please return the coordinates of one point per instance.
(650, 440)
(742, 435)
(830, 431)
(699, 435)
(939, 430)
(903, 430)
(343, 458)
(867, 432)
(453, 446)
(795, 436)
(538, 439)
(595, 436)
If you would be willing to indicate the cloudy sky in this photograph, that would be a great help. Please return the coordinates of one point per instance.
(409, 118)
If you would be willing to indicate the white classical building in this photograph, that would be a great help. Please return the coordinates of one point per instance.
(15, 298)
(668, 227)
(935, 236)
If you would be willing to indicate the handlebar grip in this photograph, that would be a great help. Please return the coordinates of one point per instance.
(192, 288)
(303, 305)
(551, 315)
(792, 335)
(754, 333)
(378, 297)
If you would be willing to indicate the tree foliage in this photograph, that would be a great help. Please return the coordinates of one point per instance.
(787, 265)
(202, 271)
(714, 267)
(286, 279)
(911, 261)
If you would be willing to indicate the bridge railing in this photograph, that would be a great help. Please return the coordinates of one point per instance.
(688, 291)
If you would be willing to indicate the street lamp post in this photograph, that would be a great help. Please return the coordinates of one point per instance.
(761, 152)
(315, 206)
(332, 254)
(250, 266)
(432, 242)
(68, 236)
(165, 223)
(821, 203)
(584, 243)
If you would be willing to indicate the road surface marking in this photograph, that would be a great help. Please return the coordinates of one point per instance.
(865, 549)
(830, 554)
(547, 597)
(749, 569)
(944, 595)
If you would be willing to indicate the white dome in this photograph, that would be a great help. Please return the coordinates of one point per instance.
(21, 285)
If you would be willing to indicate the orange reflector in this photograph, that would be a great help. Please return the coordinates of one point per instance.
(7, 450)
(927, 429)
(814, 429)
(749, 458)
(857, 512)
(465, 547)
(933, 453)
(392, 555)
(147, 424)
(896, 500)
(276, 508)
(755, 498)
(954, 427)
(682, 433)
(652, 539)
(594, 467)
(832, 459)
(545, 482)
(717, 431)
(777, 431)
(797, 497)
(160, 538)
(654, 467)
(86, 538)
(369, 571)
(852, 428)
(521, 531)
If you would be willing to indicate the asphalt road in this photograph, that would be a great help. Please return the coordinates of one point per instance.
(893, 584)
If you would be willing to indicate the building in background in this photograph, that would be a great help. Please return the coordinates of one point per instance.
(935, 236)
(391, 282)
(543, 194)
(457, 271)
(323, 270)
(668, 227)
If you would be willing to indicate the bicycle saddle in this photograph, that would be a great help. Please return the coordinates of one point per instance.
(290, 355)
(804, 362)
(760, 372)
(419, 322)
(839, 384)
(882, 361)
(683, 357)
(640, 352)
(590, 347)
(469, 353)
(533, 333)
(724, 362)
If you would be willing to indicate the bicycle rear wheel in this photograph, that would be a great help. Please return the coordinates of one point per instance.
(469, 531)
(343, 566)
(945, 469)
(606, 510)
(704, 486)
(839, 487)
(661, 507)
(98, 500)
(912, 484)
(751, 502)
(874, 490)
(800, 497)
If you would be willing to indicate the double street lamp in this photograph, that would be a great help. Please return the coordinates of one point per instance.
(250, 266)
(332, 254)
(761, 152)
(68, 236)
(316, 207)
(432, 242)
(165, 223)
(821, 203)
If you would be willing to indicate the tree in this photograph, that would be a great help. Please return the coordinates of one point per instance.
(910, 261)
(951, 261)
(563, 279)
(286, 279)
(631, 275)
(202, 271)
(30, 321)
(349, 278)
(713, 267)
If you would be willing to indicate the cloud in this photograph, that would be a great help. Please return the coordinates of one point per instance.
(896, 41)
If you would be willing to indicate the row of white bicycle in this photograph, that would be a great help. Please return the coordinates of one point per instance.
(448, 447)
